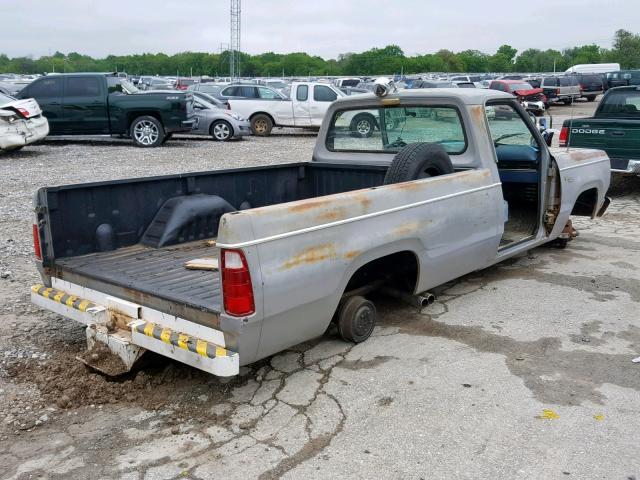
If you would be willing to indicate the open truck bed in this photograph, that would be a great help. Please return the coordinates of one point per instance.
(155, 276)
(156, 272)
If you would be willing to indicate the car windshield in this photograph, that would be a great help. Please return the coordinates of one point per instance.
(389, 129)
(4, 99)
(520, 86)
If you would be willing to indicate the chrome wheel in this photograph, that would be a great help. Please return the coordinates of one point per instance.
(146, 132)
(221, 131)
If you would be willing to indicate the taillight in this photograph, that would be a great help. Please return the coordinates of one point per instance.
(564, 135)
(24, 112)
(557, 91)
(36, 242)
(236, 284)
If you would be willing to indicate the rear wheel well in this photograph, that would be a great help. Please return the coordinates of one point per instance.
(131, 116)
(401, 268)
(586, 203)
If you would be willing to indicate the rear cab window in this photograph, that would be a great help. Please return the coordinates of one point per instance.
(392, 128)
(302, 93)
(623, 103)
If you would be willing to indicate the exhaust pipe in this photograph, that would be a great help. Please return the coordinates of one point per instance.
(420, 301)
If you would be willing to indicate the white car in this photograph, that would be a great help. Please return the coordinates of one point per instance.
(21, 123)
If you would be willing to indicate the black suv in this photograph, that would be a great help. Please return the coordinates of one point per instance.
(591, 85)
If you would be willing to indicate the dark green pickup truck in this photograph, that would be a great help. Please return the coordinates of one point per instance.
(105, 104)
(614, 128)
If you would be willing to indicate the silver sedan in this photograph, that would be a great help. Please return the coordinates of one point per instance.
(221, 124)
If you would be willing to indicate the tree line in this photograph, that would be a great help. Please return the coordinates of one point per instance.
(388, 60)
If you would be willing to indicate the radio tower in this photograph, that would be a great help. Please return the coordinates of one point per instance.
(234, 45)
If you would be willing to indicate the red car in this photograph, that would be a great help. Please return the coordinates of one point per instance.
(534, 98)
(184, 83)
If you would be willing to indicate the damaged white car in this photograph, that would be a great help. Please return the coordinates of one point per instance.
(21, 123)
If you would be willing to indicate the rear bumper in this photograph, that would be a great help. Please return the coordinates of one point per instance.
(23, 132)
(625, 166)
(126, 327)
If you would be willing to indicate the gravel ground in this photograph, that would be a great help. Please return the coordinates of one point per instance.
(489, 382)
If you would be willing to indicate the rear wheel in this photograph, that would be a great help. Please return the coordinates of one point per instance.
(146, 132)
(356, 319)
(167, 137)
(261, 125)
(221, 131)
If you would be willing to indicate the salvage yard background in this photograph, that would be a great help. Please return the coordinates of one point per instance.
(523, 370)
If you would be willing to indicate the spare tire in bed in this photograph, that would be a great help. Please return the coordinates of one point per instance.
(418, 160)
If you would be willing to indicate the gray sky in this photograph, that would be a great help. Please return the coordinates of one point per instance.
(320, 27)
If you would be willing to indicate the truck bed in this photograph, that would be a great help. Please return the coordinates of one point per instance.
(159, 272)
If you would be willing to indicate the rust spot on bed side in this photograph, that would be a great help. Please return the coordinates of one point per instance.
(332, 215)
(351, 254)
(311, 255)
(307, 205)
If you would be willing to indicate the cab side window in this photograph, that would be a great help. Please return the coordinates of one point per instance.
(46, 88)
(323, 94)
(81, 87)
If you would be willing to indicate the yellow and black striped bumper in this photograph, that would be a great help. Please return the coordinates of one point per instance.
(181, 340)
(182, 347)
(63, 298)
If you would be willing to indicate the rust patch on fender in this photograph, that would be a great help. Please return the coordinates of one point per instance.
(351, 254)
(311, 255)
(581, 155)
(407, 228)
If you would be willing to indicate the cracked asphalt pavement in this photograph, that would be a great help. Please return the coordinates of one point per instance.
(523, 370)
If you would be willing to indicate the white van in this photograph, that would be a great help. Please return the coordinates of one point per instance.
(594, 68)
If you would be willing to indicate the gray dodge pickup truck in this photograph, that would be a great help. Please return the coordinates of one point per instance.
(220, 269)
